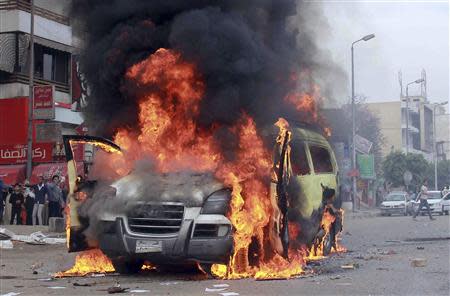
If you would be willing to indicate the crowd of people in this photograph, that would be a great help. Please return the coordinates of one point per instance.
(32, 204)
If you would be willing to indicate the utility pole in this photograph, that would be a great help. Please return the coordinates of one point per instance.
(30, 96)
(365, 38)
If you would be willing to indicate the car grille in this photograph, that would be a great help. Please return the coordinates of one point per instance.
(156, 218)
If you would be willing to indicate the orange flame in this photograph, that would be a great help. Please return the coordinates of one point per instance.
(92, 261)
(169, 135)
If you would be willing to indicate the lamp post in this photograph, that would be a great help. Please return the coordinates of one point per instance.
(30, 96)
(365, 38)
(407, 112)
(435, 143)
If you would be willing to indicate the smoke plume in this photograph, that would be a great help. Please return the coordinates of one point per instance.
(250, 54)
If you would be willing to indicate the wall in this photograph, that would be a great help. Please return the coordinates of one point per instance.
(10, 90)
(389, 114)
(18, 20)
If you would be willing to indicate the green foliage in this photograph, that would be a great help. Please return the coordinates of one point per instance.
(397, 163)
(443, 173)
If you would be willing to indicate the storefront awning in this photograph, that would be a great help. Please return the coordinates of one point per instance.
(48, 170)
(12, 174)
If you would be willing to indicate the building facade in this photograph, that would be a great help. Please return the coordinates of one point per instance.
(53, 66)
(415, 135)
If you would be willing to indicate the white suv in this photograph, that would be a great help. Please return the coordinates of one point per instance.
(445, 202)
(434, 199)
(394, 203)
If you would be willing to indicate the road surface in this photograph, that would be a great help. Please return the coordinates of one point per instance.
(380, 248)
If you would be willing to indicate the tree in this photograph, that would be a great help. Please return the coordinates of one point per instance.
(443, 173)
(397, 163)
(367, 125)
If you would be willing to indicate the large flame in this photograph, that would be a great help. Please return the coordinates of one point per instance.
(170, 93)
(92, 261)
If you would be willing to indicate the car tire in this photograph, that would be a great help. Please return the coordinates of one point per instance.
(127, 266)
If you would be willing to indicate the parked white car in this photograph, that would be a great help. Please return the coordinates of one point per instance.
(394, 203)
(434, 200)
(445, 202)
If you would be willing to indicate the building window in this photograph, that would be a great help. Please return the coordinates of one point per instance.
(51, 64)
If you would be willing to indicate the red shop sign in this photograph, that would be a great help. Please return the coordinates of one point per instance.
(14, 154)
(43, 102)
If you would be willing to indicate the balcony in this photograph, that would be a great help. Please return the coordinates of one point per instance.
(25, 6)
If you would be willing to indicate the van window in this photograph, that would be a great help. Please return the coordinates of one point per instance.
(299, 162)
(321, 159)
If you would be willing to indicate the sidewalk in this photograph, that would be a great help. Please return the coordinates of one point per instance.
(29, 229)
(361, 214)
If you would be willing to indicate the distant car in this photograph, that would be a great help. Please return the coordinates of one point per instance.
(394, 203)
(445, 202)
(434, 200)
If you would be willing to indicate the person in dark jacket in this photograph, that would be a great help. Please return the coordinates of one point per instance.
(16, 200)
(54, 197)
(3, 195)
(41, 194)
(29, 203)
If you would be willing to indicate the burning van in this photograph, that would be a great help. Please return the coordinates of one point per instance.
(184, 217)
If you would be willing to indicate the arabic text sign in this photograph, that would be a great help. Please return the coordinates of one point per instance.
(366, 166)
(13, 154)
(43, 104)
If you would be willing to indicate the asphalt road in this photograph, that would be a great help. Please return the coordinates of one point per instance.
(380, 248)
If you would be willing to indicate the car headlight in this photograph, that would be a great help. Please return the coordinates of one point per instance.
(217, 203)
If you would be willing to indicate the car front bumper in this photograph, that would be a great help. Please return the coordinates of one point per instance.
(393, 210)
(118, 240)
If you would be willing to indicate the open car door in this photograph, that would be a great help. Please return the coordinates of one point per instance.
(76, 241)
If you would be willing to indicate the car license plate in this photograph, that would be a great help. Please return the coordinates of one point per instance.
(148, 246)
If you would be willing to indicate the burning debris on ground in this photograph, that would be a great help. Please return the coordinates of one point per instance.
(191, 93)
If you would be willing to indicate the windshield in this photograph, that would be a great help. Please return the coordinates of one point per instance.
(394, 197)
(434, 195)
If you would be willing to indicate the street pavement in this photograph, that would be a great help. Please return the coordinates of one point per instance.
(380, 249)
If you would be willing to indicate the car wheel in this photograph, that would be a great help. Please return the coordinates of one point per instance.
(206, 267)
(127, 266)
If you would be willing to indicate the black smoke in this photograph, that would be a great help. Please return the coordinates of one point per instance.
(246, 52)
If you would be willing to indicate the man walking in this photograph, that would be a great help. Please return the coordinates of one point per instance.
(54, 197)
(40, 191)
(423, 200)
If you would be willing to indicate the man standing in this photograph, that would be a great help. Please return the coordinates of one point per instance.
(16, 200)
(2, 199)
(40, 191)
(54, 197)
(29, 202)
(423, 200)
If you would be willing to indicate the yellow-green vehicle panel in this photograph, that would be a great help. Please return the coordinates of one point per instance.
(309, 184)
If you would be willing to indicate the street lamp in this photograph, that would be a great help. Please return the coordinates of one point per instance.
(407, 112)
(435, 142)
(365, 38)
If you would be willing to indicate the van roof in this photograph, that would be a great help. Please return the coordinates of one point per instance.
(302, 132)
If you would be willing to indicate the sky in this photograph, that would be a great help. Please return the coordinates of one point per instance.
(410, 36)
